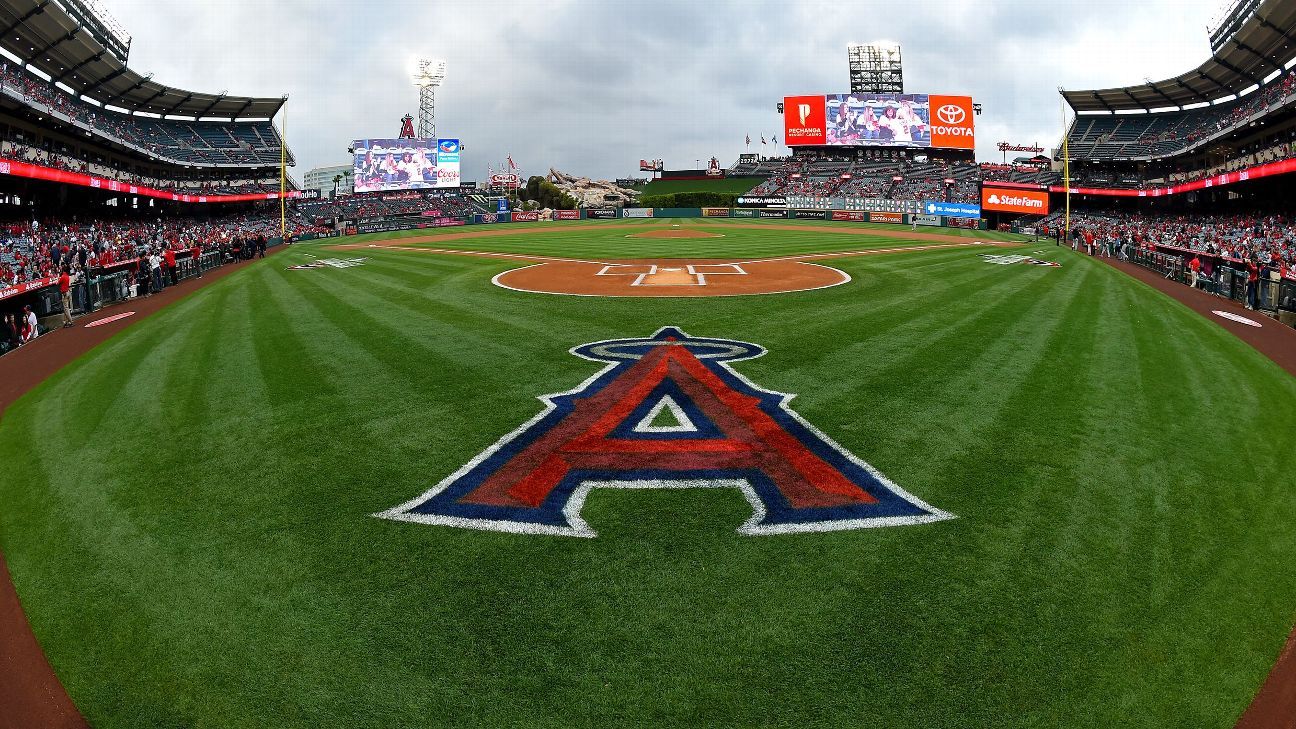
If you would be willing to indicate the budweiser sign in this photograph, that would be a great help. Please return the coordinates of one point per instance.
(1010, 147)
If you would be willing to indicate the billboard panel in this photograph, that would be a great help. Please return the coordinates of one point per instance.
(879, 120)
(405, 164)
(803, 120)
(951, 209)
(951, 122)
(447, 156)
(1013, 200)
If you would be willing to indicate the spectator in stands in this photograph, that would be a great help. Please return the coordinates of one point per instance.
(1253, 280)
(30, 329)
(65, 294)
(155, 270)
(169, 258)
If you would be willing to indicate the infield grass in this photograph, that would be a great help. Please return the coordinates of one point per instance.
(187, 508)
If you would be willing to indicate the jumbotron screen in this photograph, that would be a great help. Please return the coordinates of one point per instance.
(405, 164)
(879, 120)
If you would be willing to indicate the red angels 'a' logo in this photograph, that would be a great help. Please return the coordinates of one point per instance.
(407, 127)
(668, 411)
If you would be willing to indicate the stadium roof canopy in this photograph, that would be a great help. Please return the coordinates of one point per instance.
(45, 36)
(1264, 42)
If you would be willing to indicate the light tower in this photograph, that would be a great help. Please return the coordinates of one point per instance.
(427, 77)
(875, 68)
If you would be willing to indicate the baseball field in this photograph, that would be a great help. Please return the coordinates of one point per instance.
(213, 518)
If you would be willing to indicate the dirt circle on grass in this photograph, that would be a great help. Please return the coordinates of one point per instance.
(671, 277)
(675, 234)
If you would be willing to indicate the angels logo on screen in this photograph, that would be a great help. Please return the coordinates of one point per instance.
(667, 411)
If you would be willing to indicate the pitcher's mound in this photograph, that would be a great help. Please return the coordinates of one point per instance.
(675, 234)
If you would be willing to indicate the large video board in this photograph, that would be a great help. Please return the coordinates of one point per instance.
(879, 120)
(405, 164)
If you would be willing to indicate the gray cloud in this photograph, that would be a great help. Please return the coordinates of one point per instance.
(590, 87)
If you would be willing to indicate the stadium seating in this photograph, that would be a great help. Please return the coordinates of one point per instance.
(1109, 137)
(199, 181)
(218, 143)
(851, 177)
(389, 204)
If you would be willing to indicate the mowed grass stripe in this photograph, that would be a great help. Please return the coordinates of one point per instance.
(1061, 595)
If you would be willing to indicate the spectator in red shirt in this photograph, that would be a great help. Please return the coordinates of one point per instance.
(169, 255)
(65, 293)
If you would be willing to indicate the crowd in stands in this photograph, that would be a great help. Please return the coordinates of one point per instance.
(185, 181)
(1267, 240)
(899, 178)
(33, 250)
(222, 143)
(1167, 133)
(391, 204)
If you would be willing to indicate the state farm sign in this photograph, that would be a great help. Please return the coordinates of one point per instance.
(805, 120)
(1005, 200)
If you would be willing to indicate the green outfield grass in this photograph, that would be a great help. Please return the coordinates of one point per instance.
(608, 239)
(187, 509)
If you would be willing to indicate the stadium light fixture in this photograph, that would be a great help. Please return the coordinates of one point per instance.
(428, 75)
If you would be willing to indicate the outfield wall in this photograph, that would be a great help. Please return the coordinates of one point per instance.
(399, 223)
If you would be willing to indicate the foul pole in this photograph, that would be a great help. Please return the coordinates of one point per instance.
(283, 174)
(1066, 170)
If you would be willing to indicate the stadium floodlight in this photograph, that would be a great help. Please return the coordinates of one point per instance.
(875, 68)
(428, 75)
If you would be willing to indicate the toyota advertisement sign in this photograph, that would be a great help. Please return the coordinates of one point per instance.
(879, 120)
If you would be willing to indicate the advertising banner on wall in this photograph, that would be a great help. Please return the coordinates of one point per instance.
(637, 213)
(762, 201)
(810, 214)
(526, 216)
(715, 212)
(927, 219)
(566, 215)
(894, 218)
(744, 212)
(950, 209)
(853, 215)
(771, 213)
(1013, 200)
(601, 213)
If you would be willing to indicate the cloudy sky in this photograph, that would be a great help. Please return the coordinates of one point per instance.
(591, 87)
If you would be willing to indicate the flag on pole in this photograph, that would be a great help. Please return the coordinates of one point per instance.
(762, 140)
(773, 139)
(510, 161)
(748, 140)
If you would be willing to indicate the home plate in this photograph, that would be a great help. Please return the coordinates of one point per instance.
(1234, 317)
(123, 315)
